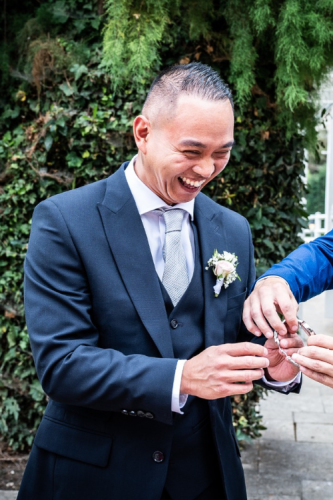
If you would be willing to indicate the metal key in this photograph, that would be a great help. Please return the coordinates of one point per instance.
(306, 329)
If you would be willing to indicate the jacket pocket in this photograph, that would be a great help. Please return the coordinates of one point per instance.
(71, 442)
(237, 301)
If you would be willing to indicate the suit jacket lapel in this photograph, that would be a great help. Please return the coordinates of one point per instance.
(129, 246)
(211, 237)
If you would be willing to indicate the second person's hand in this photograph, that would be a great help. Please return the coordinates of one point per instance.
(270, 297)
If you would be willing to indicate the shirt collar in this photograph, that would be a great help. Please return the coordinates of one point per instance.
(145, 199)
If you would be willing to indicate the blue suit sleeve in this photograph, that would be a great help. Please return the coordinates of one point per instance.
(309, 269)
(71, 366)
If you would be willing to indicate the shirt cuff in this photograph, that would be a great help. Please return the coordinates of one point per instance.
(178, 400)
(283, 386)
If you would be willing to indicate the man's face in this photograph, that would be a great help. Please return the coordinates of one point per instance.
(182, 153)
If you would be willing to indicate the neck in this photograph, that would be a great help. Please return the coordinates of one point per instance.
(139, 170)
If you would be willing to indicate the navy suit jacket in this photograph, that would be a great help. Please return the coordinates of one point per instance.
(309, 269)
(101, 341)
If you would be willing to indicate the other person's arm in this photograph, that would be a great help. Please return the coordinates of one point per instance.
(308, 271)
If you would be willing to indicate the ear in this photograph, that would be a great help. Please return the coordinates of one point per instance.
(141, 129)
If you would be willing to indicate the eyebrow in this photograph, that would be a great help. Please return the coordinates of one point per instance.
(189, 142)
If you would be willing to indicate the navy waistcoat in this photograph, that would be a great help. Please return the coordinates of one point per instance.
(193, 460)
(187, 318)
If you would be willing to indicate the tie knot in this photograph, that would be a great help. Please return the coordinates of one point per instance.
(173, 219)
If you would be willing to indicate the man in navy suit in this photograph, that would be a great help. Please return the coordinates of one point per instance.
(305, 273)
(137, 355)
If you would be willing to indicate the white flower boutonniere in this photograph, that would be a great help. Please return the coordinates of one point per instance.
(224, 267)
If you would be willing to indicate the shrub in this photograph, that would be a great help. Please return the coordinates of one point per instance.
(63, 124)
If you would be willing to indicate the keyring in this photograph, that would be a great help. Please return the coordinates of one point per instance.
(306, 329)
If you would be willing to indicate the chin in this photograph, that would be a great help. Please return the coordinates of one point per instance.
(181, 197)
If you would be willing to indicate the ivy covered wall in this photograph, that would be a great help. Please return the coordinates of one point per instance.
(65, 120)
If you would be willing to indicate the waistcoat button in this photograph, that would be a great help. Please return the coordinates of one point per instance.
(158, 457)
(174, 323)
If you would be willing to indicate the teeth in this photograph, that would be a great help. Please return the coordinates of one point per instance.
(192, 183)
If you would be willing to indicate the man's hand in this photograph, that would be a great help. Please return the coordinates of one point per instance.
(218, 370)
(280, 369)
(316, 359)
(270, 296)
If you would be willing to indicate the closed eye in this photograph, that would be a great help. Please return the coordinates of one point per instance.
(223, 153)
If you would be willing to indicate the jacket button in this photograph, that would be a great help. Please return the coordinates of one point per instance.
(158, 457)
(149, 415)
(132, 413)
(140, 413)
(174, 323)
(124, 412)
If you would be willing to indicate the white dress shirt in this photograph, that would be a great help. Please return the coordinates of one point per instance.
(147, 202)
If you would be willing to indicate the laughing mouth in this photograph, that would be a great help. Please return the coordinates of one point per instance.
(188, 183)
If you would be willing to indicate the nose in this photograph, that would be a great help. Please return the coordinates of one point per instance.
(205, 168)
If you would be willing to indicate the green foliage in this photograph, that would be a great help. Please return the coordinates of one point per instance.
(133, 34)
(243, 54)
(66, 130)
(288, 41)
(246, 419)
(63, 124)
(315, 199)
(263, 183)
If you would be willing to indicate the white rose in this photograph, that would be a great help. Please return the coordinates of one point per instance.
(224, 268)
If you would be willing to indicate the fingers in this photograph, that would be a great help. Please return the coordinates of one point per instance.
(240, 389)
(291, 342)
(316, 359)
(318, 377)
(260, 310)
(288, 306)
(234, 389)
(321, 341)
(210, 374)
(279, 367)
(254, 318)
(316, 365)
(247, 318)
(243, 349)
(248, 362)
(243, 375)
(313, 353)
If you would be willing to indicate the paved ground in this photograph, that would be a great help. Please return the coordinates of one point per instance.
(294, 458)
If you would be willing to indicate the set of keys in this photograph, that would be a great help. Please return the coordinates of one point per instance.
(306, 329)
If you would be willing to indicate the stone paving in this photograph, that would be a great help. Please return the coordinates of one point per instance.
(294, 458)
(8, 495)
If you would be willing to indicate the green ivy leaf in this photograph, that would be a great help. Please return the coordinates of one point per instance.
(60, 13)
(67, 90)
(48, 141)
(79, 70)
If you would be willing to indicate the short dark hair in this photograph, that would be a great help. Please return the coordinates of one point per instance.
(194, 79)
